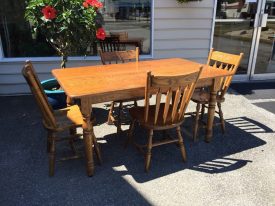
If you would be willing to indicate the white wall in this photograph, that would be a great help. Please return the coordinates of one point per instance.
(183, 30)
(180, 30)
(12, 81)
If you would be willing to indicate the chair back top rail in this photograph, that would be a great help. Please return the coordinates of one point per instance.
(39, 95)
(177, 89)
(111, 57)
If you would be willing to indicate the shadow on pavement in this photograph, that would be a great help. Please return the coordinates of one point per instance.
(204, 157)
(264, 92)
(261, 90)
(24, 165)
(24, 176)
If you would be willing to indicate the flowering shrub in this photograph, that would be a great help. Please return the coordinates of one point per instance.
(70, 26)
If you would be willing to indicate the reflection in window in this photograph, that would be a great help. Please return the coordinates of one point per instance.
(234, 28)
(130, 20)
(17, 39)
(235, 9)
(270, 9)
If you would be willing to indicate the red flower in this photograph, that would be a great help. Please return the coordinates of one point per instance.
(95, 3)
(100, 34)
(85, 4)
(49, 12)
(98, 5)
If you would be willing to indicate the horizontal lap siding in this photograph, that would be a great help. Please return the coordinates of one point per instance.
(183, 30)
(12, 81)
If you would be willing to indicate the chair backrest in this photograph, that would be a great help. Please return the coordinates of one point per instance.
(119, 56)
(110, 44)
(229, 62)
(177, 89)
(39, 95)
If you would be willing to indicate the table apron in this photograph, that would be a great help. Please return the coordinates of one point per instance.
(115, 96)
(130, 93)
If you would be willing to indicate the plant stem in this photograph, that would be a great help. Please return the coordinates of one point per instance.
(64, 60)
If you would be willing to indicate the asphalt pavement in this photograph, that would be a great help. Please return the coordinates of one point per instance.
(234, 169)
(261, 94)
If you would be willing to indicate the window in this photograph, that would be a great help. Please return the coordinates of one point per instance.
(234, 28)
(129, 20)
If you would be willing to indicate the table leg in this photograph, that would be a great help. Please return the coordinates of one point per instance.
(211, 109)
(87, 135)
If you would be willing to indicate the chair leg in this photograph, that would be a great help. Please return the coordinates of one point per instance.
(119, 117)
(69, 101)
(181, 144)
(221, 117)
(202, 111)
(130, 134)
(135, 103)
(196, 123)
(48, 141)
(97, 149)
(72, 132)
(52, 154)
(149, 148)
(110, 115)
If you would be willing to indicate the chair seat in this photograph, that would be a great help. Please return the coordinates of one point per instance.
(69, 117)
(203, 97)
(137, 113)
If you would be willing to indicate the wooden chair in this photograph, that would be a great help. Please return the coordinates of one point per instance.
(220, 60)
(110, 44)
(118, 57)
(163, 116)
(55, 121)
(121, 36)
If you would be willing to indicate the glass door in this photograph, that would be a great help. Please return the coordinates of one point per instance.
(235, 30)
(247, 26)
(264, 55)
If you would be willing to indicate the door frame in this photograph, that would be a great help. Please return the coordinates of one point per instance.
(252, 75)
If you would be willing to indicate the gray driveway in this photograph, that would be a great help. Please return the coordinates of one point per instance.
(234, 169)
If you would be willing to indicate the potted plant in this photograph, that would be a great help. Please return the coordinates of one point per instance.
(70, 27)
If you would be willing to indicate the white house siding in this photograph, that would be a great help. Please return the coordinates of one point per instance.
(12, 81)
(180, 30)
(183, 30)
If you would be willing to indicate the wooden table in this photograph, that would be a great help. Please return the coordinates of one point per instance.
(97, 84)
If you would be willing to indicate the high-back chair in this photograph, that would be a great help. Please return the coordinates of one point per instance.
(116, 57)
(110, 44)
(220, 60)
(177, 91)
(55, 121)
(121, 37)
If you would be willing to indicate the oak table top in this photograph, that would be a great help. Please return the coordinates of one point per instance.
(108, 79)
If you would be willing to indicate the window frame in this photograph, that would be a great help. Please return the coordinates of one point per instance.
(79, 58)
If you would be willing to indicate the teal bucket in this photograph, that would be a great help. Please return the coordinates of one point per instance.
(56, 96)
